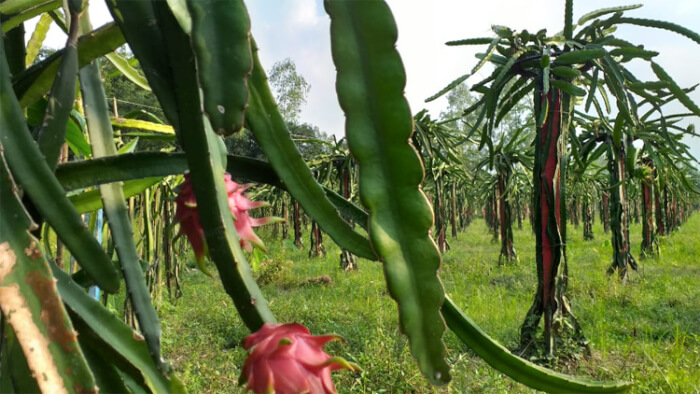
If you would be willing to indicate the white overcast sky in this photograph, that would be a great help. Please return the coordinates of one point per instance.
(299, 29)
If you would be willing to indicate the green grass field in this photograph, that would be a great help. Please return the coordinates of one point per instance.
(647, 330)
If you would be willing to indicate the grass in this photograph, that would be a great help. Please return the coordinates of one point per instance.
(647, 330)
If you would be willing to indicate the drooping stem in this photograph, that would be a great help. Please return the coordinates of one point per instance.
(297, 226)
(573, 209)
(347, 259)
(453, 210)
(587, 215)
(519, 211)
(494, 213)
(648, 236)
(440, 223)
(619, 212)
(660, 217)
(507, 249)
(673, 212)
(316, 248)
(285, 217)
(605, 211)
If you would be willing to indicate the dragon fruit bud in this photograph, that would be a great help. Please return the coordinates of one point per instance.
(239, 204)
(286, 358)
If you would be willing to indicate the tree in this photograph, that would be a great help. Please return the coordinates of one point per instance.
(310, 140)
(290, 88)
(458, 100)
(244, 143)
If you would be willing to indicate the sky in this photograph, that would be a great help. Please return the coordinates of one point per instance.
(299, 29)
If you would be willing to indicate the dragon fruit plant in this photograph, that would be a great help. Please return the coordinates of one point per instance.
(201, 62)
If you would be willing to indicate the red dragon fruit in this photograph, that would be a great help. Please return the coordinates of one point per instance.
(239, 204)
(286, 358)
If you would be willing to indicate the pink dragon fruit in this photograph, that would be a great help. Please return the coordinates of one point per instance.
(188, 217)
(286, 358)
